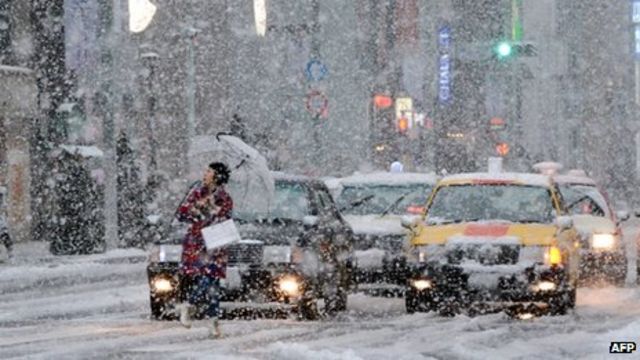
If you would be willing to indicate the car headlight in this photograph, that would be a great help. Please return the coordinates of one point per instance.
(603, 241)
(421, 284)
(427, 253)
(289, 285)
(544, 285)
(276, 255)
(161, 284)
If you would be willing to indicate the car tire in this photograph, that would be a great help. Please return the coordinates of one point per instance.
(156, 311)
(161, 310)
(338, 302)
(308, 309)
(410, 302)
(561, 303)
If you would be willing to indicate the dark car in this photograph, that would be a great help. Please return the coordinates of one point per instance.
(296, 254)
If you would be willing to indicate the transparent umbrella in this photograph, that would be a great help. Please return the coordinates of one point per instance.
(251, 184)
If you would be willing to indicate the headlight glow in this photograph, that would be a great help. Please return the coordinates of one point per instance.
(421, 284)
(289, 285)
(162, 285)
(544, 285)
(603, 241)
(553, 256)
(525, 316)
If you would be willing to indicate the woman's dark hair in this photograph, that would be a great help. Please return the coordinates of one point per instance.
(222, 172)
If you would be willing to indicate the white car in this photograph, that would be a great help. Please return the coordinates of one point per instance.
(602, 250)
(374, 204)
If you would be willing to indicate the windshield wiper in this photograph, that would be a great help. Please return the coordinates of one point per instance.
(455, 221)
(529, 221)
(394, 204)
(357, 203)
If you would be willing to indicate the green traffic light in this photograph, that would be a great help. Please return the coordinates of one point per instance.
(504, 49)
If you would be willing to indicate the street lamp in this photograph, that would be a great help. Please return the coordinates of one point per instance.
(260, 15)
(190, 34)
(149, 61)
(141, 13)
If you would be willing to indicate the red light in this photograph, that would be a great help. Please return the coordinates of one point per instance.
(382, 101)
(415, 210)
(502, 149)
(403, 124)
(496, 121)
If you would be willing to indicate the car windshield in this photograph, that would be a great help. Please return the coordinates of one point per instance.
(584, 200)
(383, 196)
(515, 203)
(290, 202)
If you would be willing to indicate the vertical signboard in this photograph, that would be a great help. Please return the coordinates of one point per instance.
(635, 19)
(81, 32)
(444, 65)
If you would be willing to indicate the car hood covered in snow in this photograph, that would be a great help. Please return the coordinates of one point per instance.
(589, 224)
(375, 224)
(528, 234)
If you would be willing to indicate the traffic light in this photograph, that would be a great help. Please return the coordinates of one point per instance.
(503, 50)
(502, 149)
(403, 125)
(506, 49)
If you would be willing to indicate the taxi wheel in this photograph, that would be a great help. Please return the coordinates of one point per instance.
(335, 303)
(562, 302)
(161, 310)
(308, 309)
(410, 303)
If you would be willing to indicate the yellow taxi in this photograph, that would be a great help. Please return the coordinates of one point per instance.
(493, 242)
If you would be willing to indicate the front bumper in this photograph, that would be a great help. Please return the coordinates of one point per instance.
(454, 286)
(241, 284)
(610, 265)
(386, 278)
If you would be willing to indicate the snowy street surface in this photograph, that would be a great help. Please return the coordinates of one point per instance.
(97, 307)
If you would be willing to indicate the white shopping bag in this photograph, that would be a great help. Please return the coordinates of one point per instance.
(220, 234)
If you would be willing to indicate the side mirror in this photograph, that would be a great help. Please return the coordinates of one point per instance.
(310, 221)
(564, 222)
(409, 222)
(623, 215)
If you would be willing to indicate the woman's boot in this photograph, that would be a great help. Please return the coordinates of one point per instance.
(185, 316)
(215, 332)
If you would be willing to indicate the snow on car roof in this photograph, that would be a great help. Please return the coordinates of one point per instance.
(579, 180)
(278, 175)
(517, 178)
(384, 178)
(84, 151)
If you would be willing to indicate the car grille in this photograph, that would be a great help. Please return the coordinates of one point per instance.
(485, 254)
(245, 253)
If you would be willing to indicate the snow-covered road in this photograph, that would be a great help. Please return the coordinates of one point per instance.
(97, 307)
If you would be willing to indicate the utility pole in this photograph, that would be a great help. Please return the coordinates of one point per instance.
(315, 54)
(191, 34)
(112, 86)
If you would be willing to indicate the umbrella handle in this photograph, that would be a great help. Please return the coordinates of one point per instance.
(240, 164)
